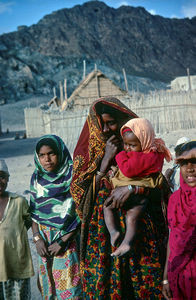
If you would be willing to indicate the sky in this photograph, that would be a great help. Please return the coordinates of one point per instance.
(14, 13)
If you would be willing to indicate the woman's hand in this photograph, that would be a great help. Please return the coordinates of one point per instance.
(166, 291)
(54, 249)
(60, 244)
(111, 150)
(41, 248)
(111, 147)
(118, 197)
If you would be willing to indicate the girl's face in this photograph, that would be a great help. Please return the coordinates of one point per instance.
(48, 159)
(188, 171)
(3, 182)
(131, 142)
(110, 125)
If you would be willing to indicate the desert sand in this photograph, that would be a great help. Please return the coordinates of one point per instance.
(18, 155)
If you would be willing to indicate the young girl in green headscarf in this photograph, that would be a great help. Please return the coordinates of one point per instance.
(55, 222)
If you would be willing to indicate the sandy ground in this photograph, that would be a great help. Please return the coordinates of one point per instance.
(19, 157)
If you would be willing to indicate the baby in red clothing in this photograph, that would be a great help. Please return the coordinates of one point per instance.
(139, 166)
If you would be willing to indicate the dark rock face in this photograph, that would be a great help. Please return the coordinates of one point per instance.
(34, 59)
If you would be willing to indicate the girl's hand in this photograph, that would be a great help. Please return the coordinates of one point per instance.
(41, 248)
(118, 197)
(167, 292)
(54, 248)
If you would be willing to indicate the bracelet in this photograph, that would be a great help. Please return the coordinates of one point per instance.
(36, 233)
(100, 173)
(130, 188)
(36, 238)
(165, 281)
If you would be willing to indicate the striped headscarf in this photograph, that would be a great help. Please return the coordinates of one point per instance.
(51, 202)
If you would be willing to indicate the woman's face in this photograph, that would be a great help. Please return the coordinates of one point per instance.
(110, 125)
(188, 171)
(3, 182)
(48, 158)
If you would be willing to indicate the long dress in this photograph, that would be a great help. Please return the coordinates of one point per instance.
(16, 266)
(138, 275)
(53, 209)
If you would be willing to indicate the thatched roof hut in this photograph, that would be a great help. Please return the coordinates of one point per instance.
(92, 87)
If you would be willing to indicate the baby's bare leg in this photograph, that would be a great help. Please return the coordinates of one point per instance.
(131, 222)
(110, 217)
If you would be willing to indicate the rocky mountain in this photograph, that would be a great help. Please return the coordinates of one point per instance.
(34, 59)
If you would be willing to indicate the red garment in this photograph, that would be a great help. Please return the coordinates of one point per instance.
(182, 241)
(139, 164)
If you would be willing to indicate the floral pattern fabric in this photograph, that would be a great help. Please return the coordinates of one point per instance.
(138, 275)
(63, 269)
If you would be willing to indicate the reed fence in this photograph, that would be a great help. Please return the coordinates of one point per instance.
(168, 111)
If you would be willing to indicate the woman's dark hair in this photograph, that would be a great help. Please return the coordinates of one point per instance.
(113, 112)
(47, 142)
(185, 147)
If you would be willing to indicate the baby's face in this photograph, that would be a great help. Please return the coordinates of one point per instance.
(131, 142)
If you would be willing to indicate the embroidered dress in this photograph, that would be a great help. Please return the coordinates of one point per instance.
(182, 241)
(138, 275)
(53, 208)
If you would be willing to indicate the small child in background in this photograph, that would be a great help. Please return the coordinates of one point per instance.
(140, 165)
(15, 256)
(173, 174)
(179, 279)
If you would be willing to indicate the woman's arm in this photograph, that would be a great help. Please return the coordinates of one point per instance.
(118, 197)
(38, 240)
(166, 289)
(121, 194)
(110, 152)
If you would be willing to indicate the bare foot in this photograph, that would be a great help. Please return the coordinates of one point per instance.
(115, 236)
(121, 250)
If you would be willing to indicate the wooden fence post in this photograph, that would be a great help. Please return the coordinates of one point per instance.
(125, 79)
(61, 92)
(84, 69)
(189, 80)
